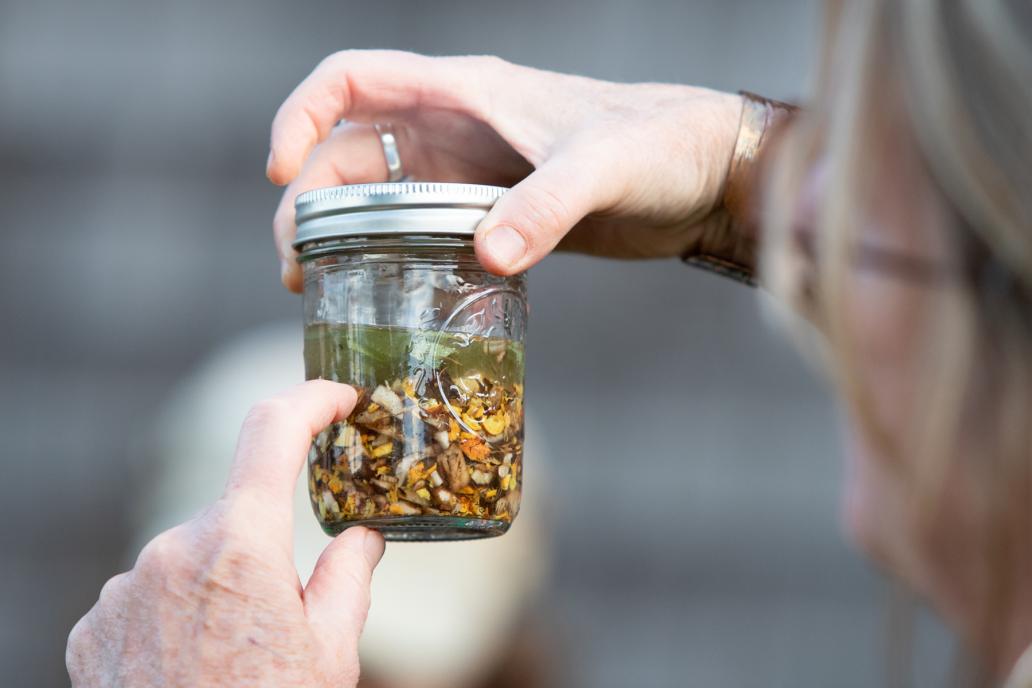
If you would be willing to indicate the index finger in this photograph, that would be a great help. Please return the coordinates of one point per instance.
(361, 85)
(275, 439)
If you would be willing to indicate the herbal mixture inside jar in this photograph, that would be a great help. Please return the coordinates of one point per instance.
(436, 435)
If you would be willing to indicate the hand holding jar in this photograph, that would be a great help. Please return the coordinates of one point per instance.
(217, 600)
(619, 170)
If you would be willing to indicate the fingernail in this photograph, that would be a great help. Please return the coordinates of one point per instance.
(270, 161)
(373, 546)
(505, 244)
(283, 268)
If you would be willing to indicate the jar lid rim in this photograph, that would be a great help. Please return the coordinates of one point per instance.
(337, 200)
(393, 208)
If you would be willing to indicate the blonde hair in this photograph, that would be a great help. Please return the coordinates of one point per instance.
(964, 72)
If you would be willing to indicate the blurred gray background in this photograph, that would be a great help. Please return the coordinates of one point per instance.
(695, 476)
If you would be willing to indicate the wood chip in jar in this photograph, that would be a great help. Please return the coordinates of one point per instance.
(453, 466)
(481, 475)
(388, 399)
(443, 498)
(378, 420)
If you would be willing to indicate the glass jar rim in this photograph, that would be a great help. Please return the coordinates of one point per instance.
(385, 243)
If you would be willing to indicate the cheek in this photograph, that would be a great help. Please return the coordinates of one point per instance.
(884, 320)
(862, 499)
(876, 512)
(881, 321)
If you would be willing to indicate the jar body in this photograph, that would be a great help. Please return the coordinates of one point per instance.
(434, 345)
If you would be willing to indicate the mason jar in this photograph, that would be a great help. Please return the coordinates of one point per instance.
(396, 304)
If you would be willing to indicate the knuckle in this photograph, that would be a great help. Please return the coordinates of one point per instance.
(478, 81)
(160, 553)
(235, 550)
(493, 74)
(233, 526)
(232, 519)
(112, 589)
(543, 209)
(335, 60)
(322, 385)
(75, 650)
(491, 63)
(271, 411)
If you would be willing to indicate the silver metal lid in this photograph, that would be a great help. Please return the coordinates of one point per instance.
(392, 209)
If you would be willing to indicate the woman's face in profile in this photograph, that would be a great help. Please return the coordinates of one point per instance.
(888, 317)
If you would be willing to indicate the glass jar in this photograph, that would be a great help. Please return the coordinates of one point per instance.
(397, 305)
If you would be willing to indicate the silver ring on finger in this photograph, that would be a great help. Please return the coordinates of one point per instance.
(389, 142)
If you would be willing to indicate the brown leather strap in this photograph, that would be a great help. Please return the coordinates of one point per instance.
(730, 247)
(723, 249)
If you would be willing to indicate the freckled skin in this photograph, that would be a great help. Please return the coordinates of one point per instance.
(217, 601)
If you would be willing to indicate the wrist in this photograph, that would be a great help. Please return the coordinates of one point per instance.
(760, 118)
(728, 244)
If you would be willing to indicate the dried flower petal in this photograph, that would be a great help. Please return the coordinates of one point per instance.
(475, 448)
(382, 450)
(496, 424)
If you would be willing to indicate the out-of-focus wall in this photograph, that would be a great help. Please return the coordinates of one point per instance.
(695, 470)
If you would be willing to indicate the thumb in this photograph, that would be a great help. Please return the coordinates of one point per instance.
(337, 595)
(527, 222)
